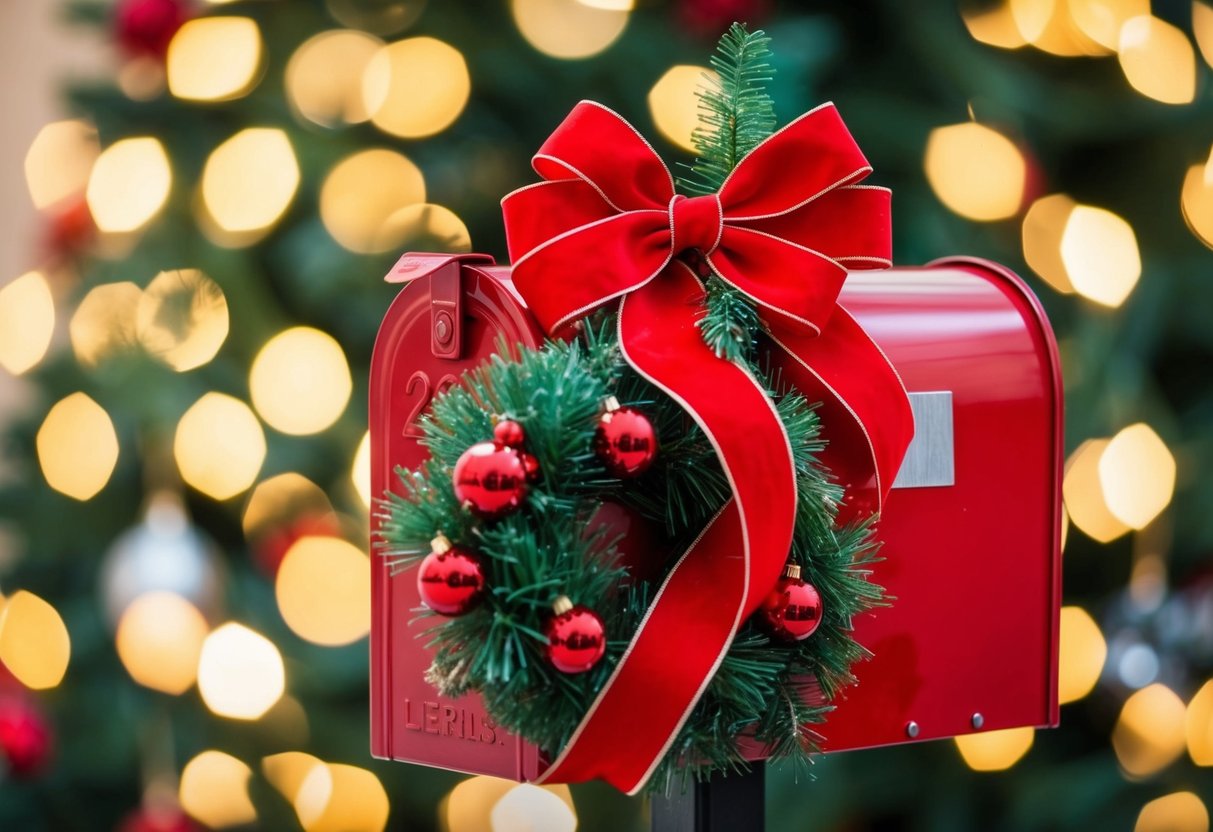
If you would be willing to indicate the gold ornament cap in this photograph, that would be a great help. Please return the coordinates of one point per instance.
(562, 605)
(441, 544)
(611, 404)
(792, 570)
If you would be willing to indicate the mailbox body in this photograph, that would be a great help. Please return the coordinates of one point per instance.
(971, 532)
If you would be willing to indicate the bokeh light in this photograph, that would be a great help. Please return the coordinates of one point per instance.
(129, 184)
(363, 193)
(248, 183)
(1202, 27)
(324, 77)
(34, 642)
(341, 798)
(280, 499)
(1083, 653)
(323, 589)
(60, 160)
(104, 322)
(1084, 497)
(1196, 198)
(219, 446)
(240, 672)
(567, 29)
(214, 790)
(416, 87)
(1158, 60)
(77, 447)
(181, 318)
(993, 25)
(1101, 20)
(287, 771)
(300, 381)
(975, 171)
(214, 58)
(27, 322)
(1137, 475)
(1051, 26)
(1199, 726)
(472, 806)
(383, 17)
(995, 750)
(674, 105)
(360, 474)
(1150, 735)
(1099, 250)
(159, 640)
(528, 807)
(1175, 812)
(1043, 225)
(425, 226)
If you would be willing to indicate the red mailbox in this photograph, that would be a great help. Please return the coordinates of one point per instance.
(971, 535)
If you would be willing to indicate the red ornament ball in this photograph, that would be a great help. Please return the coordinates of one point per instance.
(25, 738)
(531, 465)
(490, 479)
(625, 440)
(708, 18)
(146, 27)
(576, 637)
(509, 433)
(450, 580)
(792, 612)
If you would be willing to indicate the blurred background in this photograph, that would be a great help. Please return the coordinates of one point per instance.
(201, 199)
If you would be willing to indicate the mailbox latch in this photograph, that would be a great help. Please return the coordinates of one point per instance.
(446, 311)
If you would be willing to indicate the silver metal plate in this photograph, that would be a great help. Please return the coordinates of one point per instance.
(930, 459)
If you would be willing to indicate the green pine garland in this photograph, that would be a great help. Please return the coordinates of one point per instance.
(771, 691)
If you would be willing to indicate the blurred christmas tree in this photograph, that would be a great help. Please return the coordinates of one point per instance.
(186, 500)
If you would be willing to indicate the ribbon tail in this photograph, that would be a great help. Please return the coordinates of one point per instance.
(723, 576)
(864, 406)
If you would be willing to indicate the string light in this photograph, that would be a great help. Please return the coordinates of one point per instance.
(1137, 475)
(975, 171)
(995, 750)
(1099, 250)
(360, 475)
(214, 59)
(59, 161)
(214, 790)
(1199, 726)
(240, 672)
(1082, 489)
(1196, 198)
(27, 322)
(1157, 60)
(181, 318)
(341, 798)
(1175, 812)
(77, 447)
(323, 589)
(1149, 735)
(1043, 225)
(324, 77)
(526, 807)
(1083, 652)
(159, 640)
(300, 381)
(248, 183)
(34, 642)
(361, 195)
(674, 105)
(219, 446)
(129, 184)
(568, 29)
(416, 87)
(993, 25)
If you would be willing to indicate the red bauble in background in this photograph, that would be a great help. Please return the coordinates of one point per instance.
(490, 479)
(638, 540)
(576, 637)
(25, 737)
(625, 440)
(270, 548)
(71, 228)
(708, 18)
(509, 433)
(145, 27)
(792, 612)
(167, 819)
(450, 580)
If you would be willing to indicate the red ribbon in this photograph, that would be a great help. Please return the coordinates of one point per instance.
(606, 225)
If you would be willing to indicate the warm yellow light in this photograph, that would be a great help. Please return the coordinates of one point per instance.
(610, 5)
(324, 76)
(77, 447)
(60, 160)
(469, 804)
(341, 798)
(27, 322)
(249, 181)
(993, 25)
(416, 87)
(568, 29)
(361, 473)
(159, 640)
(1199, 726)
(1149, 735)
(214, 790)
(1099, 250)
(1196, 200)
(362, 194)
(975, 171)
(300, 381)
(1051, 26)
(995, 750)
(382, 18)
(34, 644)
(1084, 497)
(1202, 27)
(1043, 225)
(1158, 60)
(1083, 652)
(1176, 812)
(1031, 17)
(104, 322)
(674, 104)
(526, 807)
(219, 446)
(428, 227)
(129, 184)
(323, 589)
(287, 771)
(182, 318)
(280, 499)
(240, 672)
(1137, 474)
(1101, 20)
(214, 58)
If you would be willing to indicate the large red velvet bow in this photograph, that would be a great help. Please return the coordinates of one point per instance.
(606, 225)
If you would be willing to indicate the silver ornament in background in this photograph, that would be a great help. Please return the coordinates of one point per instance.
(165, 552)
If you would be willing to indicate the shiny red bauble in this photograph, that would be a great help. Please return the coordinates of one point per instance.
(625, 440)
(792, 612)
(450, 580)
(531, 465)
(490, 479)
(509, 433)
(576, 637)
(25, 738)
(145, 27)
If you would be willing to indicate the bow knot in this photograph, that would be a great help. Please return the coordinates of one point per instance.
(696, 222)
